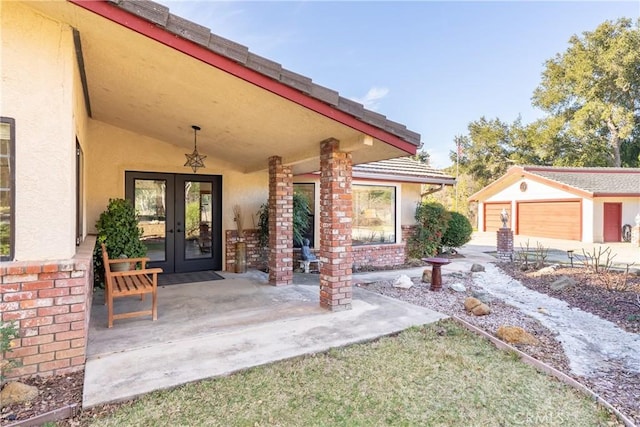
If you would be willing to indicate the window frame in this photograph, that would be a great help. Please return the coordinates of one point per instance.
(12, 186)
(395, 189)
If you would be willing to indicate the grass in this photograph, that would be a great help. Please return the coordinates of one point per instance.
(437, 375)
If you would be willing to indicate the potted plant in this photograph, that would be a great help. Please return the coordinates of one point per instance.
(118, 230)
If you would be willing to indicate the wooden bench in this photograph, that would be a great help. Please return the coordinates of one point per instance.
(129, 283)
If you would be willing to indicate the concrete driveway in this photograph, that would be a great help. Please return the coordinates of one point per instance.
(622, 253)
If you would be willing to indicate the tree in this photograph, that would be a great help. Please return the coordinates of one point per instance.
(485, 151)
(594, 86)
(422, 156)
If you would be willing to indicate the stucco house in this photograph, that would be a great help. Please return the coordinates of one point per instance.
(584, 204)
(98, 100)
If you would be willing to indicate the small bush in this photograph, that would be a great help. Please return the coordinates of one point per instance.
(432, 220)
(8, 332)
(118, 229)
(458, 231)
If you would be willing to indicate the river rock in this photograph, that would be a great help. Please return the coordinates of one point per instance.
(476, 307)
(562, 283)
(426, 275)
(482, 296)
(17, 392)
(515, 335)
(403, 282)
(458, 287)
(476, 268)
(545, 271)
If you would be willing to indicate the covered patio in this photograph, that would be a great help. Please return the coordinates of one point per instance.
(209, 329)
(118, 88)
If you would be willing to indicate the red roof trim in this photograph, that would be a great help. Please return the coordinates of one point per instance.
(146, 28)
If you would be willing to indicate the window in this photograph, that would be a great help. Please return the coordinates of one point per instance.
(7, 185)
(308, 190)
(374, 214)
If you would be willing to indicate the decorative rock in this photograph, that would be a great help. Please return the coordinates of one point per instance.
(458, 287)
(515, 335)
(546, 270)
(563, 283)
(403, 282)
(426, 276)
(475, 268)
(17, 392)
(481, 310)
(476, 307)
(482, 296)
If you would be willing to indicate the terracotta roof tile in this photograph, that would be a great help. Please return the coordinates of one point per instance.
(402, 169)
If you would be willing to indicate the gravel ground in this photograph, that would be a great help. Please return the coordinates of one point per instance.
(618, 385)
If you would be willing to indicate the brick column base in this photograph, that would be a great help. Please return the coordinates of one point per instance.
(335, 227)
(50, 303)
(505, 244)
(280, 223)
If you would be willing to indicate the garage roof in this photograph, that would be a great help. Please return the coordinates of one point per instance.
(584, 182)
(598, 181)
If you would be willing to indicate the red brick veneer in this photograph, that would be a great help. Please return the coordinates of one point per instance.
(280, 223)
(254, 259)
(51, 302)
(335, 227)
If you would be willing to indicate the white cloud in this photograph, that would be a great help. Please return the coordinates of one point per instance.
(371, 100)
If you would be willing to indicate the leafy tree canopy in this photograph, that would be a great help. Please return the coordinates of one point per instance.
(594, 86)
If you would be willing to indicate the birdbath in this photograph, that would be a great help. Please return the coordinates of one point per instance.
(436, 275)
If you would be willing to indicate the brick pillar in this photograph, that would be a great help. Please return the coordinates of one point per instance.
(505, 244)
(280, 223)
(335, 227)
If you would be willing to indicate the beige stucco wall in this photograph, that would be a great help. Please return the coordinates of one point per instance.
(411, 196)
(112, 151)
(38, 92)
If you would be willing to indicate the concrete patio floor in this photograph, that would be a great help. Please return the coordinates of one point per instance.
(214, 328)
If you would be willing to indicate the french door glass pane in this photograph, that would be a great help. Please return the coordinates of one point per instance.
(198, 219)
(151, 206)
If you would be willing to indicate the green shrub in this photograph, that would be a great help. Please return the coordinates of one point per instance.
(8, 332)
(432, 220)
(300, 220)
(458, 232)
(118, 229)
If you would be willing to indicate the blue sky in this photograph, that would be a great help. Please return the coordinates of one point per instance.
(433, 66)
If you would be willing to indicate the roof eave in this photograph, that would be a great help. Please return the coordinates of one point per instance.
(357, 118)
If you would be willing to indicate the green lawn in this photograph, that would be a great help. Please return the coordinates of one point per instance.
(438, 375)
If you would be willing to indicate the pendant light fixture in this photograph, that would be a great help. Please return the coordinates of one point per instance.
(195, 159)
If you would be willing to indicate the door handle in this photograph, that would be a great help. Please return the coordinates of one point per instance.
(178, 231)
(170, 231)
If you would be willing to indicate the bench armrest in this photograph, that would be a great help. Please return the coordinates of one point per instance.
(137, 272)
